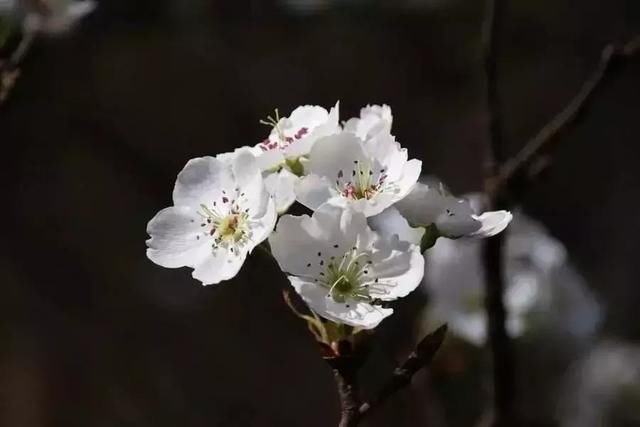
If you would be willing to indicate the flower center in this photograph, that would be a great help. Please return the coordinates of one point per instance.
(344, 283)
(232, 227)
(228, 227)
(348, 277)
(363, 183)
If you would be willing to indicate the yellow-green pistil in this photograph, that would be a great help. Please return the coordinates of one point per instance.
(346, 280)
(227, 230)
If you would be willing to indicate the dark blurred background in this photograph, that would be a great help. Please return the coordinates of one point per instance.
(102, 119)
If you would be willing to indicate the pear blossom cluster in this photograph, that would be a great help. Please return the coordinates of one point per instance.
(359, 248)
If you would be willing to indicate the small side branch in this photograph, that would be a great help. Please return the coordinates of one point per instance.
(526, 162)
(402, 375)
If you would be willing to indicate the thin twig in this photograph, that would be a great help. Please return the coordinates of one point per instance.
(402, 375)
(492, 28)
(545, 140)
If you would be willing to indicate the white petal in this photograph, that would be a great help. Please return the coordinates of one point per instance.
(336, 153)
(248, 179)
(313, 191)
(201, 180)
(294, 243)
(298, 240)
(319, 125)
(270, 159)
(373, 119)
(262, 225)
(282, 186)
(308, 116)
(174, 239)
(390, 222)
(353, 313)
(230, 156)
(399, 264)
(457, 218)
(422, 205)
(341, 226)
(222, 265)
(492, 223)
(389, 154)
(410, 175)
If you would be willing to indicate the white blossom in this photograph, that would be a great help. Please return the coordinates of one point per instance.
(294, 136)
(602, 388)
(282, 154)
(221, 212)
(431, 205)
(344, 170)
(7, 7)
(539, 282)
(341, 268)
(374, 119)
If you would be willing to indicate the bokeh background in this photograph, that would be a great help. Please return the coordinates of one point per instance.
(102, 119)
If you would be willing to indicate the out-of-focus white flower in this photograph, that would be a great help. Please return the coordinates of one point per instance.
(341, 268)
(451, 216)
(221, 212)
(368, 176)
(55, 16)
(374, 119)
(604, 386)
(7, 7)
(541, 285)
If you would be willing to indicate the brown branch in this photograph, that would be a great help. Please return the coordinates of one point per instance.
(527, 161)
(402, 375)
(346, 375)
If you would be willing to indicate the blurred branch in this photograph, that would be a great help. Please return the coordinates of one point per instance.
(10, 68)
(402, 375)
(492, 28)
(527, 162)
(499, 341)
(501, 175)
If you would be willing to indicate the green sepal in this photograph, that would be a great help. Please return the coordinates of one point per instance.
(295, 166)
(431, 234)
